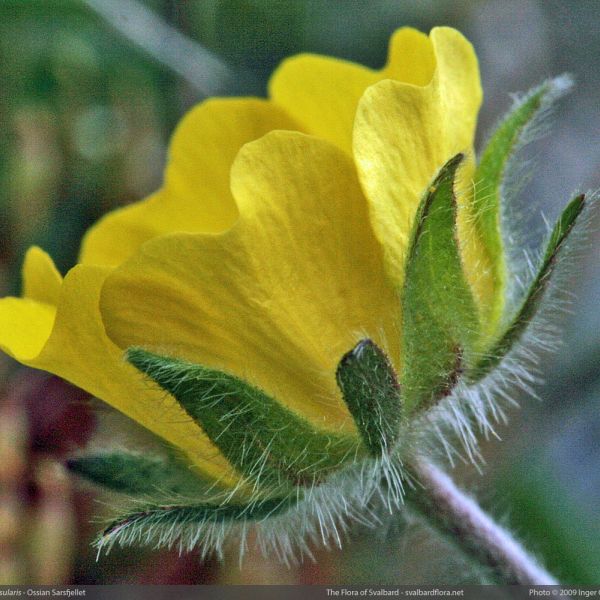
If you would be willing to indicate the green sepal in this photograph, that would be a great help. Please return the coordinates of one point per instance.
(176, 518)
(261, 438)
(370, 389)
(440, 323)
(530, 304)
(511, 134)
(138, 475)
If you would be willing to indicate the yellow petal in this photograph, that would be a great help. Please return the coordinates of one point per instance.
(70, 341)
(41, 279)
(404, 133)
(279, 298)
(195, 196)
(322, 93)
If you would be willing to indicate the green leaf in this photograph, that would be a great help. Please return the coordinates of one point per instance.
(371, 391)
(138, 475)
(530, 304)
(439, 315)
(512, 133)
(265, 441)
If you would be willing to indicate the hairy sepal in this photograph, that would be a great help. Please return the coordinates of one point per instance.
(270, 445)
(142, 475)
(155, 520)
(481, 398)
(440, 323)
(523, 315)
(285, 528)
(496, 220)
(371, 391)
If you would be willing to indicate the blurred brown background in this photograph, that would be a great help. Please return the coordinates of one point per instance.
(87, 104)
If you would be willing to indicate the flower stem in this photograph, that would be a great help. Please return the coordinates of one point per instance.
(459, 517)
(197, 65)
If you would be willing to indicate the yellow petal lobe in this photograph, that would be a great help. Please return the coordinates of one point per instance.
(41, 279)
(25, 325)
(195, 196)
(457, 83)
(410, 57)
(279, 298)
(322, 93)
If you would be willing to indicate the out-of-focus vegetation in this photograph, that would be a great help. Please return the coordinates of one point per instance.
(86, 116)
(85, 122)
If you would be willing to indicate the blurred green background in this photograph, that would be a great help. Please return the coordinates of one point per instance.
(87, 105)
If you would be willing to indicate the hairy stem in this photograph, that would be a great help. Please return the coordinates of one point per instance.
(459, 517)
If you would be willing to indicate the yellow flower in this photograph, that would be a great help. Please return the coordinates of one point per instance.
(277, 241)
